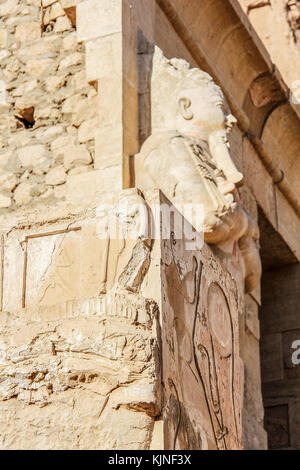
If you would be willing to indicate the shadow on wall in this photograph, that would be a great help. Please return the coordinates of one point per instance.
(280, 330)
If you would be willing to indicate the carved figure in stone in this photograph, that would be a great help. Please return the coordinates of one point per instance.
(293, 17)
(188, 156)
(214, 355)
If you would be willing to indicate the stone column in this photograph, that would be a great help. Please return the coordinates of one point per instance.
(108, 29)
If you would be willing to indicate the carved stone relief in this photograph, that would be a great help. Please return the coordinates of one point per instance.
(202, 375)
(83, 351)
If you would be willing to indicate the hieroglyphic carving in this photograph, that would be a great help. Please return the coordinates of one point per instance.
(38, 235)
(88, 357)
(201, 375)
(214, 356)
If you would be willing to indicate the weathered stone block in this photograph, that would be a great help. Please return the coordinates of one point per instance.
(47, 3)
(32, 155)
(70, 41)
(23, 194)
(78, 170)
(157, 442)
(3, 101)
(54, 83)
(271, 357)
(108, 145)
(97, 18)
(71, 60)
(76, 155)
(104, 57)
(87, 130)
(37, 67)
(81, 108)
(3, 38)
(58, 144)
(254, 435)
(8, 7)
(28, 32)
(92, 184)
(8, 181)
(5, 158)
(56, 176)
(5, 201)
(53, 12)
(60, 191)
(110, 100)
(62, 24)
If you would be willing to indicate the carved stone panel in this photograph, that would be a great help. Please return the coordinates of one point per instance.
(79, 343)
(202, 376)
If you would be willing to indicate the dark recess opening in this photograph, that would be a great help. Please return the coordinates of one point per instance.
(280, 326)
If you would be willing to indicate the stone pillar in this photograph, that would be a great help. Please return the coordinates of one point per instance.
(117, 343)
(108, 29)
(202, 373)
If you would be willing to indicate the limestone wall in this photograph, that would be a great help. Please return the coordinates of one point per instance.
(203, 374)
(48, 108)
(80, 343)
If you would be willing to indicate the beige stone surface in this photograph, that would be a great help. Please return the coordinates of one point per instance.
(83, 351)
(28, 32)
(87, 185)
(23, 193)
(5, 201)
(75, 154)
(32, 155)
(8, 181)
(80, 93)
(56, 176)
(98, 18)
(80, 335)
(277, 24)
(41, 65)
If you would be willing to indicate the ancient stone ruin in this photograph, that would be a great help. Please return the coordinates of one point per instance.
(149, 224)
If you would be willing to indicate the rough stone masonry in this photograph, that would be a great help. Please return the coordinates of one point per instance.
(132, 342)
